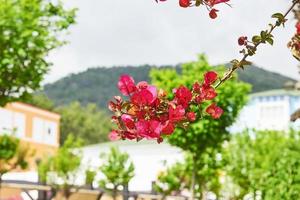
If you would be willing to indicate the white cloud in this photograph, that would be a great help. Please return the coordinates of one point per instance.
(134, 32)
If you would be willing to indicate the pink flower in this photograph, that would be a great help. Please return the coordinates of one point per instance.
(210, 77)
(145, 96)
(176, 114)
(214, 111)
(196, 87)
(208, 93)
(128, 121)
(191, 116)
(148, 129)
(113, 136)
(130, 135)
(168, 128)
(142, 85)
(126, 85)
(183, 96)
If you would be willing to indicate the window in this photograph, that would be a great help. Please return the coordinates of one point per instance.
(44, 131)
(6, 121)
(12, 122)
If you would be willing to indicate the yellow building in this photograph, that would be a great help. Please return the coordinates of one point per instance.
(36, 127)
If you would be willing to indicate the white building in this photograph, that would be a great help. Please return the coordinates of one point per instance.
(269, 110)
(149, 159)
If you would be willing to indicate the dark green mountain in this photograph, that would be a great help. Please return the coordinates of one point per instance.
(98, 85)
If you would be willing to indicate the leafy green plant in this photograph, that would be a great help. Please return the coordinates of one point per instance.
(117, 169)
(61, 169)
(13, 155)
(29, 31)
(173, 180)
(264, 164)
(90, 177)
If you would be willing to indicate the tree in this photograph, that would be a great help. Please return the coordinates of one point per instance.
(174, 179)
(61, 170)
(180, 176)
(41, 100)
(205, 133)
(264, 164)
(29, 31)
(86, 122)
(13, 155)
(117, 170)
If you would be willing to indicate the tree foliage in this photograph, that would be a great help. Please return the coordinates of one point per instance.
(117, 169)
(29, 30)
(179, 176)
(86, 122)
(265, 164)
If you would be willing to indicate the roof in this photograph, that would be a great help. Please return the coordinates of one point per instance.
(25, 106)
(279, 92)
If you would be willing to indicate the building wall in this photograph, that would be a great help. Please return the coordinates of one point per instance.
(35, 127)
(267, 113)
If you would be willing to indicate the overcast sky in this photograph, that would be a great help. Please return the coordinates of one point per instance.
(136, 32)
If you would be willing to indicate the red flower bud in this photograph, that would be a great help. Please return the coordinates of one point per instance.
(242, 40)
(184, 3)
(213, 13)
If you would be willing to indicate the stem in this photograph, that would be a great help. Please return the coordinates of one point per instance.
(193, 179)
(235, 67)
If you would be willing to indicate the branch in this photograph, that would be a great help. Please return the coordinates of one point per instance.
(239, 64)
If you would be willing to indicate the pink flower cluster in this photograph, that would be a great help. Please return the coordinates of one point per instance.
(148, 113)
(210, 4)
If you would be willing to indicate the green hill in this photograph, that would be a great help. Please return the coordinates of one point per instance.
(98, 85)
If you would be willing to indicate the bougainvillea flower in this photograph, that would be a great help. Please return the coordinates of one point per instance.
(144, 96)
(126, 85)
(128, 121)
(214, 111)
(191, 116)
(210, 77)
(142, 85)
(183, 96)
(185, 3)
(208, 93)
(176, 114)
(130, 135)
(149, 129)
(213, 13)
(298, 28)
(113, 136)
(148, 113)
(168, 128)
